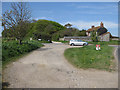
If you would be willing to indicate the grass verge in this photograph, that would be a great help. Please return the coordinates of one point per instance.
(87, 57)
(112, 42)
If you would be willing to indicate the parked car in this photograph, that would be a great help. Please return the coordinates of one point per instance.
(77, 42)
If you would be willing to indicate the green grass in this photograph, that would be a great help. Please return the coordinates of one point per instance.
(64, 41)
(12, 50)
(44, 41)
(87, 57)
(112, 42)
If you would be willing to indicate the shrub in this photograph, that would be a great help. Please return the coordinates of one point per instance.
(13, 48)
(94, 37)
(55, 37)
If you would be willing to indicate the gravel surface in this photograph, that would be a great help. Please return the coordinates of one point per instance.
(47, 68)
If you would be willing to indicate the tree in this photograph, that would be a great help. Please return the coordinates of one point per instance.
(17, 20)
(45, 29)
(83, 33)
(55, 36)
(33, 21)
(94, 37)
(68, 25)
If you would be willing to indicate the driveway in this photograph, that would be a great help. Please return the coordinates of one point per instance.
(46, 67)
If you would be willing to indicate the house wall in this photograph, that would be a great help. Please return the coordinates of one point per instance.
(61, 39)
(114, 38)
(85, 38)
(87, 33)
(105, 37)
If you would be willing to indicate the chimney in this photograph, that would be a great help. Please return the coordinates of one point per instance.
(93, 26)
(101, 24)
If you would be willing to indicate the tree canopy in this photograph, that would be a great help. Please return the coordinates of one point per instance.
(16, 21)
(44, 29)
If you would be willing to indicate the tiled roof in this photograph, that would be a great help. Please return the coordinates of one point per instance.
(94, 28)
(105, 33)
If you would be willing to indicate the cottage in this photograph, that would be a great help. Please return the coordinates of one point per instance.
(101, 32)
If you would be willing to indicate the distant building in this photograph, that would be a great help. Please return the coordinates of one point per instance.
(101, 31)
(85, 38)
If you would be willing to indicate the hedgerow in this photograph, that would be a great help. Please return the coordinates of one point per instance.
(13, 48)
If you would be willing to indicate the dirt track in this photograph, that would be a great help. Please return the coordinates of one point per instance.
(47, 68)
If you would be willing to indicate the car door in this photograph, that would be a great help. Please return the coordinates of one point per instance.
(75, 42)
(79, 42)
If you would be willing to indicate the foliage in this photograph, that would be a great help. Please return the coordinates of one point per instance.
(88, 57)
(55, 37)
(45, 29)
(43, 41)
(13, 49)
(16, 21)
(94, 37)
(41, 35)
(111, 42)
(72, 32)
(83, 33)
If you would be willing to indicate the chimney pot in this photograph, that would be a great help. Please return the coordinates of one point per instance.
(93, 26)
(101, 24)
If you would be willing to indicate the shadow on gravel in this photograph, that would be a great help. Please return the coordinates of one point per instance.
(5, 84)
(42, 49)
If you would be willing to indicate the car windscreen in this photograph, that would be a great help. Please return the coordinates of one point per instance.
(79, 40)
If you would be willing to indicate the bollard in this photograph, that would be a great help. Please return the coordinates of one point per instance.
(97, 47)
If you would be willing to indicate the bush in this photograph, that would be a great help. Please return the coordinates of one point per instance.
(94, 37)
(13, 49)
(55, 37)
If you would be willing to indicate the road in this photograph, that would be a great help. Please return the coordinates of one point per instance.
(46, 67)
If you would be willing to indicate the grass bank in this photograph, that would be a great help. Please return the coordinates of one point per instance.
(12, 50)
(112, 42)
(87, 57)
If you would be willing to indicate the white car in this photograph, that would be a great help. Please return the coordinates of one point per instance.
(77, 42)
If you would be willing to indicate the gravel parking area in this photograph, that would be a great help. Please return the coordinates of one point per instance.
(46, 67)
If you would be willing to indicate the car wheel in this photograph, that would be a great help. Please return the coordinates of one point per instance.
(72, 44)
(84, 44)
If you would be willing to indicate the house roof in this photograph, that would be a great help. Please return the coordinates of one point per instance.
(105, 33)
(94, 28)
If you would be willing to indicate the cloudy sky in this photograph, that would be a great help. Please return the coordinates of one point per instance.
(81, 15)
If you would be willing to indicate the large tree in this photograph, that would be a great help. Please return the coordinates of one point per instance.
(45, 29)
(17, 20)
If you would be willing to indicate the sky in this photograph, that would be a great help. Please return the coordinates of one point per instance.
(81, 15)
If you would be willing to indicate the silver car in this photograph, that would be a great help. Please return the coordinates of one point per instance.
(77, 42)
